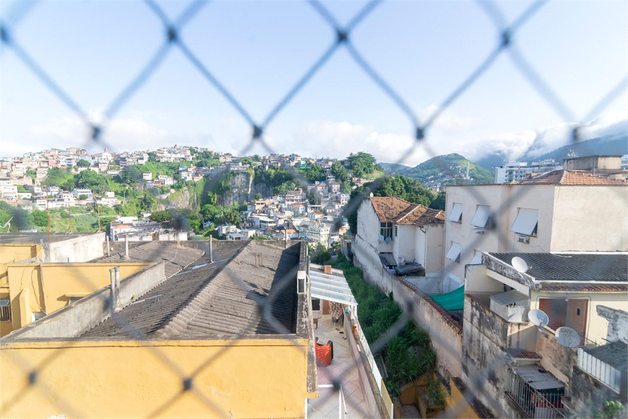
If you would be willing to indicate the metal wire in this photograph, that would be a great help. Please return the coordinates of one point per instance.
(420, 132)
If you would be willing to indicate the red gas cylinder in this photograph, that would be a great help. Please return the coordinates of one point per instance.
(323, 354)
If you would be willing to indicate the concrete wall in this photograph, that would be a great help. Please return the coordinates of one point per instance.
(435, 248)
(404, 242)
(588, 396)
(444, 331)
(369, 226)
(617, 322)
(49, 285)
(72, 320)
(557, 359)
(590, 218)
(79, 249)
(245, 379)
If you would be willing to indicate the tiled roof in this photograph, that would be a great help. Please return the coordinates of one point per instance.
(573, 267)
(614, 354)
(390, 209)
(566, 177)
(218, 300)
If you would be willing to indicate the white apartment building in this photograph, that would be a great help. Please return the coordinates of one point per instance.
(554, 212)
(517, 171)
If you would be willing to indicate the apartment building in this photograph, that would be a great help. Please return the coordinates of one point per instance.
(516, 171)
(532, 372)
(552, 212)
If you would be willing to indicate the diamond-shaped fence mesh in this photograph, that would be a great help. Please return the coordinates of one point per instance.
(505, 44)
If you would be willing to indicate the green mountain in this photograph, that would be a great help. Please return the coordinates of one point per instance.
(449, 169)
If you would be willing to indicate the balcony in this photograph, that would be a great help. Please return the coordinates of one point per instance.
(536, 393)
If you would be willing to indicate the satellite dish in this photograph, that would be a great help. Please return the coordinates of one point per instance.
(388, 239)
(568, 337)
(380, 238)
(538, 318)
(400, 260)
(519, 264)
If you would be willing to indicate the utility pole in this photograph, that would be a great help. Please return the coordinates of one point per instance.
(48, 213)
(98, 211)
(70, 217)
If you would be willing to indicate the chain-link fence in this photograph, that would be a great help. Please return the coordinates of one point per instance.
(505, 44)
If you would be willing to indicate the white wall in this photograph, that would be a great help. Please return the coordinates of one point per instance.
(435, 252)
(590, 218)
(79, 249)
(404, 243)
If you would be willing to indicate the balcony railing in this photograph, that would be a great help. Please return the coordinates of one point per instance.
(545, 405)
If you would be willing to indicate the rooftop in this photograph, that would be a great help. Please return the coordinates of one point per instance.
(218, 300)
(614, 354)
(36, 238)
(573, 267)
(567, 177)
(175, 258)
(390, 209)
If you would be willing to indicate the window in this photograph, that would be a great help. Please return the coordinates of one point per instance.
(455, 216)
(526, 222)
(316, 304)
(385, 229)
(481, 216)
(5, 311)
(454, 252)
(396, 231)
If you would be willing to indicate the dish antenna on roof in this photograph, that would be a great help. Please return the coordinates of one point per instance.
(538, 318)
(568, 337)
(388, 239)
(519, 264)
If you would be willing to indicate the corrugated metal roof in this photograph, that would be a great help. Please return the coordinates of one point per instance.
(576, 267)
(331, 287)
(220, 299)
(538, 378)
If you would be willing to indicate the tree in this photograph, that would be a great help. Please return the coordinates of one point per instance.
(162, 216)
(315, 173)
(91, 180)
(82, 197)
(131, 174)
(362, 164)
(439, 201)
(314, 198)
(210, 212)
(83, 163)
(340, 173)
(258, 196)
(40, 218)
(57, 177)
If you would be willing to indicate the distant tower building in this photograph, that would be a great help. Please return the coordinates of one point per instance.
(467, 177)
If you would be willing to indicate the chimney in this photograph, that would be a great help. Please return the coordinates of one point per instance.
(327, 269)
(112, 278)
(117, 268)
(126, 247)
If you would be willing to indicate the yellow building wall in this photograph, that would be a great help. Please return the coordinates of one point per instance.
(9, 253)
(458, 404)
(59, 279)
(258, 378)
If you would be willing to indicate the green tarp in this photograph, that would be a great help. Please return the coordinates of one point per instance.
(453, 300)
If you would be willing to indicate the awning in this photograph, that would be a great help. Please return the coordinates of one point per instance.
(477, 258)
(453, 300)
(456, 213)
(454, 252)
(526, 221)
(387, 259)
(480, 218)
(331, 287)
(538, 378)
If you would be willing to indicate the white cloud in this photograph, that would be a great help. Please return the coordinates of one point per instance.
(449, 120)
(339, 139)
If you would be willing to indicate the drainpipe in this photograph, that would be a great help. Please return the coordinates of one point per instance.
(107, 242)
(112, 278)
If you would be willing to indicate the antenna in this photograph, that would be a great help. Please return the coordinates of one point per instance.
(567, 337)
(519, 264)
(538, 318)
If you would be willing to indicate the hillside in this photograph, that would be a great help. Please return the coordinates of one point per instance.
(605, 145)
(447, 170)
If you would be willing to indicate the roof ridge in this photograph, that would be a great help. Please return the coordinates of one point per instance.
(169, 323)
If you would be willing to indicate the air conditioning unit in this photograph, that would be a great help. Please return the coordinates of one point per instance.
(523, 239)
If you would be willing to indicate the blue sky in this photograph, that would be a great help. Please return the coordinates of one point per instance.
(258, 50)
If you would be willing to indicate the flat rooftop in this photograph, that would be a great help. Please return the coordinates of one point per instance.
(36, 238)
(217, 300)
